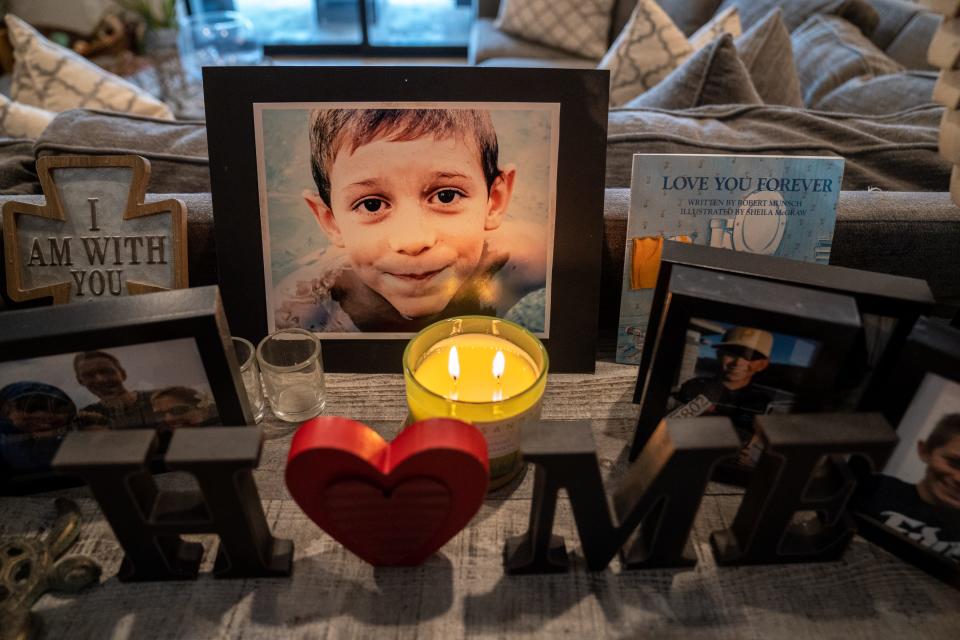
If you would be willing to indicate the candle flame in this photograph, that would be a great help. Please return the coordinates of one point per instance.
(453, 364)
(499, 364)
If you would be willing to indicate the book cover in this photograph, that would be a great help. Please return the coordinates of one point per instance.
(771, 205)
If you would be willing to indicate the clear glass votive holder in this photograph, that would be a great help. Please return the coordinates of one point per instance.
(292, 371)
(250, 372)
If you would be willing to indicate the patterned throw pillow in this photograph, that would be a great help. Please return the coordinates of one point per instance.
(21, 120)
(726, 21)
(580, 27)
(54, 78)
(646, 51)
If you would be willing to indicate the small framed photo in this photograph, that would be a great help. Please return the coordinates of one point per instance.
(159, 361)
(888, 304)
(741, 347)
(912, 507)
(366, 203)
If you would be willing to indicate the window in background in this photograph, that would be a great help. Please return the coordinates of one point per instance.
(354, 26)
(418, 22)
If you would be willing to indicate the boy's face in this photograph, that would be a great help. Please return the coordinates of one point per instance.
(39, 414)
(738, 365)
(102, 377)
(943, 472)
(413, 217)
(175, 413)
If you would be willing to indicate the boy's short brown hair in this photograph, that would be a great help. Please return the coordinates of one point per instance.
(333, 129)
(948, 428)
(91, 355)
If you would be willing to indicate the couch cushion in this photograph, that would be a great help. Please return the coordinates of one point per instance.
(713, 75)
(895, 152)
(646, 51)
(580, 27)
(19, 120)
(52, 77)
(796, 12)
(830, 51)
(905, 31)
(767, 53)
(177, 151)
(540, 63)
(689, 15)
(486, 42)
(726, 21)
(18, 172)
(874, 95)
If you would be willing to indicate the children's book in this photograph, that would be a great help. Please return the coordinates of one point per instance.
(771, 205)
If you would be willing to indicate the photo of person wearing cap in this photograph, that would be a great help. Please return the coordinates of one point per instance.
(741, 354)
(739, 372)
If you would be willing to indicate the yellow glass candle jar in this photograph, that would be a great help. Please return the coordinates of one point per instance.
(482, 370)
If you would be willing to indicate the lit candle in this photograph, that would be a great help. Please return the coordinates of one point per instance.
(499, 364)
(453, 368)
(485, 371)
(464, 368)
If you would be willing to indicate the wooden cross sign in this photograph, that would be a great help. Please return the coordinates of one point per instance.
(94, 236)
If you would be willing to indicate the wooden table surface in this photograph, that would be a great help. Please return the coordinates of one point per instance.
(462, 590)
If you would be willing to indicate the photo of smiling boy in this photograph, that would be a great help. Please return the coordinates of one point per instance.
(739, 372)
(413, 205)
(918, 492)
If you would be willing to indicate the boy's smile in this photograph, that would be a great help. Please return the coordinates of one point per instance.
(942, 479)
(413, 216)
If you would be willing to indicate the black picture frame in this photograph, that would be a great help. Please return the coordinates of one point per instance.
(892, 296)
(830, 319)
(230, 94)
(117, 322)
(931, 347)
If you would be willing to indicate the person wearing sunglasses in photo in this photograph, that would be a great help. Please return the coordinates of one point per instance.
(183, 407)
(742, 353)
(34, 419)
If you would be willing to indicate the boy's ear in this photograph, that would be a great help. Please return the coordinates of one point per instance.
(499, 200)
(324, 216)
(923, 452)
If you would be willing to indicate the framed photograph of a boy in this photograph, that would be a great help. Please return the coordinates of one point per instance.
(888, 304)
(384, 199)
(912, 506)
(741, 347)
(161, 361)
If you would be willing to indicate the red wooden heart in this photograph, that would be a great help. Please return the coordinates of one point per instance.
(389, 503)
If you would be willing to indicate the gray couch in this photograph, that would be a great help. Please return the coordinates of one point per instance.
(885, 223)
(910, 234)
(886, 127)
(900, 28)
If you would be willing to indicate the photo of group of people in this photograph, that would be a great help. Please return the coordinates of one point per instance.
(384, 219)
(918, 493)
(160, 385)
(739, 372)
